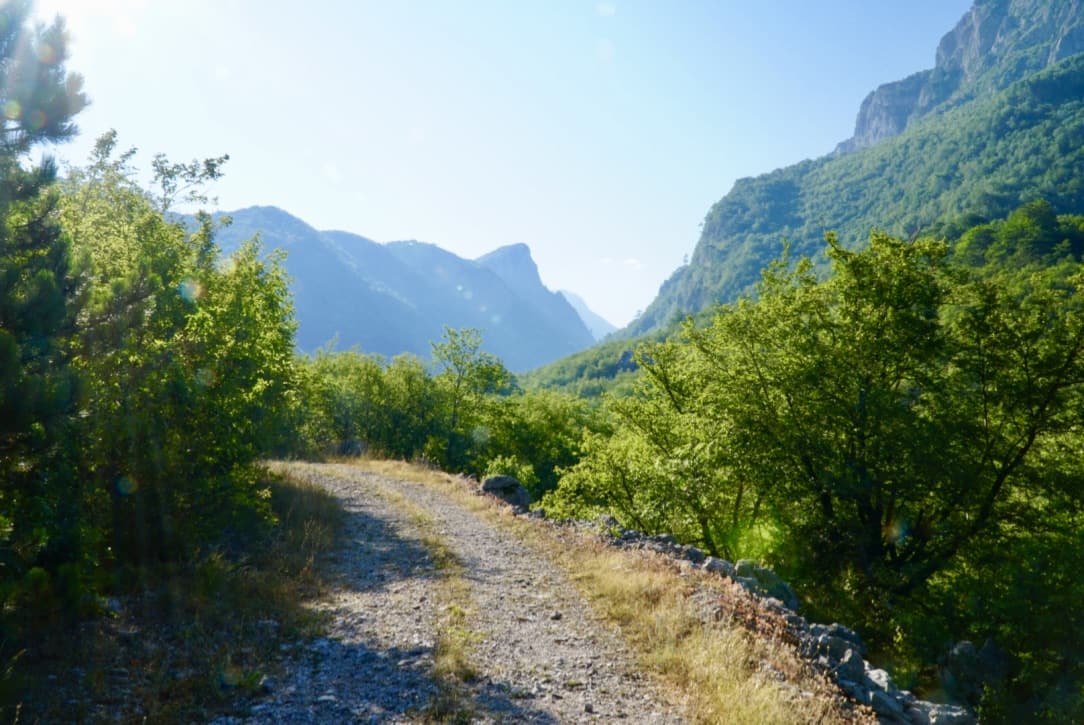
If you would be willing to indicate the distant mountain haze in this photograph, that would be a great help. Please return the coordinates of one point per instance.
(598, 326)
(998, 122)
(514, 265)
(398, 297)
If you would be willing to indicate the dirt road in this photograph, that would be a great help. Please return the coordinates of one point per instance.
(532, 650)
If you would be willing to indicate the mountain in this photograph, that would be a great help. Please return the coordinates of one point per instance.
(996, 43)
(514, 265)
(398, 297)
(998, 122)
(598, 326)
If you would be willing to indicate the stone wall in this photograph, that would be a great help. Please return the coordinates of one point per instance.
(833, 648)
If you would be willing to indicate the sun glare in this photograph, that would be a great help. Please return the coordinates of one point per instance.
(120, 15)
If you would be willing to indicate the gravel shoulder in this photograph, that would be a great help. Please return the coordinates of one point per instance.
(539, 654)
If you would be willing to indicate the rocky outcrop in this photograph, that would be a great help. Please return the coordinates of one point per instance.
(995, 44)
(764, 582)
(508, 489)
(885, 112)
(515, 266)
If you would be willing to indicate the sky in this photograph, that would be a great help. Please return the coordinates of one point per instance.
(597, 132)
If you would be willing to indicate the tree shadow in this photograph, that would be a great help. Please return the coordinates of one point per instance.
(358, 682)
(364, 681)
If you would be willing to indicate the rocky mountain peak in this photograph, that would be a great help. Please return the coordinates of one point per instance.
(514, 264)
(996, 43)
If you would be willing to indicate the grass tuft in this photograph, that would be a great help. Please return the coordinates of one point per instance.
(716, 665)
(453, 667)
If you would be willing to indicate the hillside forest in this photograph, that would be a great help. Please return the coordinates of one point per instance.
(896, 430)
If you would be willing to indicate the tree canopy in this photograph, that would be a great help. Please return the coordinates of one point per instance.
(875, 433)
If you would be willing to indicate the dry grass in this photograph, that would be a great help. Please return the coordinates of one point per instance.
(183, 648)
(735, 670)
(453, 666)
(727, 674)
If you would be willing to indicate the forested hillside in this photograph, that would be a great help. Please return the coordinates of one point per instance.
(988, 148)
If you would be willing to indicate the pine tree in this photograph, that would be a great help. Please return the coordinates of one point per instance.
(38, 287)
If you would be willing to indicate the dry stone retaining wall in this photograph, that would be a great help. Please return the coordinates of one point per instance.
(832, 648)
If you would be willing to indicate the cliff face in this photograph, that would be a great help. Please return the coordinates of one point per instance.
(995, 44)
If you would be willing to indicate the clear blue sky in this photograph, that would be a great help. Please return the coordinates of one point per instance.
(599, 133)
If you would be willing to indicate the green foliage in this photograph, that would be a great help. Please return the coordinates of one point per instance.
(1032, 236)
(467, 375)
(660, 472)
(352, 402)
(138, 386)
(39, 301)
(608, 367)
(187, 360)
(464, 416)
(542, 430)
(513, 466)
(904, 428)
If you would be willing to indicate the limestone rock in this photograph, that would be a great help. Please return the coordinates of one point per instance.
(994, 44)
(768, 582)
(508, 489)
(719, 566)
(851, 667)
(946, 714)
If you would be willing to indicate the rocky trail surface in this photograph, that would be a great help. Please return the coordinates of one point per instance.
(536, 654)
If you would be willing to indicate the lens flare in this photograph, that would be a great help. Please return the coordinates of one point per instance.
(191, 290)
(126, 486)
(36, 120)
(897, 531)
(46, 54)
(205, 377)
(12, 110)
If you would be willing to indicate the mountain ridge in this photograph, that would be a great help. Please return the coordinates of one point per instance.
(398, 297)
(599, 326)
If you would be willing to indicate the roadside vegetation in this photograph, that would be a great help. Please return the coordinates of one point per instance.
(197, 635)
(147, 562)
(900, 440)
(898, 435)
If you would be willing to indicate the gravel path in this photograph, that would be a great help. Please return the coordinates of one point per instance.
(540, 655)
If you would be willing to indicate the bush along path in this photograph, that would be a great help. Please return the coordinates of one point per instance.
(439, 616)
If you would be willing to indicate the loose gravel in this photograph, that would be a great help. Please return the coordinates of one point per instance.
(539, 654)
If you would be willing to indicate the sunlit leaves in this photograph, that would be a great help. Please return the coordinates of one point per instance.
(895, 425)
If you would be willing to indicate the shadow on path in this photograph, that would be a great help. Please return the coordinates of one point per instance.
(352, 677)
